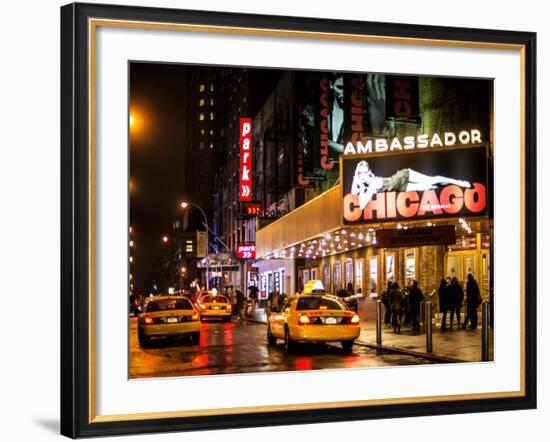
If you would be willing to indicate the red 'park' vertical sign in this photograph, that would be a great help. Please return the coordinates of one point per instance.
(245, 181)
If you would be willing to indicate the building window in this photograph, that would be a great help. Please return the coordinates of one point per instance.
(202, 131)
(211, 132)
(189, 246)
(211, 102)
(211, 145)
(201, 88)
(212, 115)
(211, 88)
(201, 116)
(201, 102)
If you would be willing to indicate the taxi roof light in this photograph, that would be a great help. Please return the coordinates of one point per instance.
(314, 286)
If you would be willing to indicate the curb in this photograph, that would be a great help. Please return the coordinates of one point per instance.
(435, 358)
(418, 354)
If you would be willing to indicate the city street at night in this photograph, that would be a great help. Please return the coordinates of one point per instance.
(338, 207)
(241, 347)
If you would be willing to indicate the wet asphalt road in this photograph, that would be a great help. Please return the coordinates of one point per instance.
(241, 347)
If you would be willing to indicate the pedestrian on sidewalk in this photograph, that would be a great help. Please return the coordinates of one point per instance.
(415, 298)
(456, 297)
(406, 305)
(253, 295)
(386, 303)
(239, 304)
(444, 304)
(396, 305)
(473, 301)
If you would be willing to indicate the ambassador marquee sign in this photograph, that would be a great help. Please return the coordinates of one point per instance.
(436, 140)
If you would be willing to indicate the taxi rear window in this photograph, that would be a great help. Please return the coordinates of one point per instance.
(169, 304)
(214, 299)
(318, 302)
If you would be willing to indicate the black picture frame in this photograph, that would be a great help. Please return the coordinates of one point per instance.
(76, 417)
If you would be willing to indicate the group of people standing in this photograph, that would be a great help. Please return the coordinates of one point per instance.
(399, 304)
(403, 306)
(451, 300)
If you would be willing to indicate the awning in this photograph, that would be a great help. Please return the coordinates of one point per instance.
(321, 214)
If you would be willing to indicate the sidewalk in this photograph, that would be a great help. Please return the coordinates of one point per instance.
(449, 346)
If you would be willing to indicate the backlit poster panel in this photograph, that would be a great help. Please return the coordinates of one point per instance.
(418, 184)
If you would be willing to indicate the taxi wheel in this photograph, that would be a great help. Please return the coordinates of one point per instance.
(290, 344)
(271, 340)
(195, 338)
(347, 345)
(143, 341)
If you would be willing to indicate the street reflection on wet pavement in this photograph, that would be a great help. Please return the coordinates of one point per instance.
(241, 347)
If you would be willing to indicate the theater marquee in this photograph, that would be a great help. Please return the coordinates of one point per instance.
(414, 185)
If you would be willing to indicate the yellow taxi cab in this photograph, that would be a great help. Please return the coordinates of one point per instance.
(313, 315)
(215, 306)
(167, 316)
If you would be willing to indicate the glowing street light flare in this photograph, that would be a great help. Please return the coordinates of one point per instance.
(164, 239)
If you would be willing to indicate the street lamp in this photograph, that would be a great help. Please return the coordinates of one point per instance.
(184, 205)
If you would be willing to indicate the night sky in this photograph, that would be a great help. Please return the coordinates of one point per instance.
(157, 158)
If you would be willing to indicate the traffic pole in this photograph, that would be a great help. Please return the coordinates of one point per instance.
(428, 326)
(485, 322)
(379, 322)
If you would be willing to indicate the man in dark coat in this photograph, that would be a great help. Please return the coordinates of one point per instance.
(240, 303)
(415, 298)
(444, 304)
(473, 300)
(386, 302)
(456, 297)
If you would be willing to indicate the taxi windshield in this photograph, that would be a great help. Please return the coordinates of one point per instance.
(214, 299)
(317, 303)
(169, 304)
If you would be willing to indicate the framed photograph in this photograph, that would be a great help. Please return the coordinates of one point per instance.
(410, 265)
(337, 276)
(212, 163)
(359, 265)
(373, 276)
(389, 259)
(326, 276)
(348, 273)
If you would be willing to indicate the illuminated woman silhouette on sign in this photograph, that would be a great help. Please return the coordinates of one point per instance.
(365, 183)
